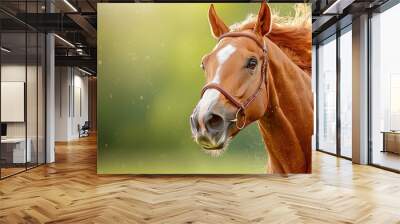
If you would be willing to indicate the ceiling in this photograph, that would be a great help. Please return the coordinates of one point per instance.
(76, 22)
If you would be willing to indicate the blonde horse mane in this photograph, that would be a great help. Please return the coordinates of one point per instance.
(292, 34)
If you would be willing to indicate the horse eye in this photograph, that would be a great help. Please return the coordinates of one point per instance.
(251, 63)
(202, 66)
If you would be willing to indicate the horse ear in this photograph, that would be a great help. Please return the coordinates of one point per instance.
(217, 26)
(264, 20)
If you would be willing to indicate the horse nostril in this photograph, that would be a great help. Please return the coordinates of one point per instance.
(214, 122)
(194, 124)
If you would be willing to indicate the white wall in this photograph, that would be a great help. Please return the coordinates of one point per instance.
(33, 126)
(62, 82)
(71, 102)
(80, 111)
(17, 73)
(12, 101)
(13, 72)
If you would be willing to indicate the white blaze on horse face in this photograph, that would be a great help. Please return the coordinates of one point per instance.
(211, 96)
(222, 56)
(225, 53)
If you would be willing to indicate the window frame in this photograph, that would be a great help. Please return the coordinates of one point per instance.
(333, 37)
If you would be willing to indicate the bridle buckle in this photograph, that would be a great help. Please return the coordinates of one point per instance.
(237, 118)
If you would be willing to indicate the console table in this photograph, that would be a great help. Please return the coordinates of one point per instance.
(391, 141)
(13, 150)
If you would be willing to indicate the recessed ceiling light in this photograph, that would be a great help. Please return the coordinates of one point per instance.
(5, 50)
(65, 41)
(337, 7)
(84, 71)
(70, 5)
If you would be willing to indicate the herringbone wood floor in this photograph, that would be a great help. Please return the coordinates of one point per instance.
(69, 191)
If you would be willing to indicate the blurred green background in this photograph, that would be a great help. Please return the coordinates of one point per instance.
(149, 81)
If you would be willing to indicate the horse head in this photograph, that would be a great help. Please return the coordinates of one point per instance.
(235, 94)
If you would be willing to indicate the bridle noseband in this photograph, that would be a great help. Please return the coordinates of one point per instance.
(241, 106)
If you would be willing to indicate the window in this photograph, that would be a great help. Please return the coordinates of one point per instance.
(327, 95)
(22, 78)
(385, 89)
(314, 90)
(346, 75)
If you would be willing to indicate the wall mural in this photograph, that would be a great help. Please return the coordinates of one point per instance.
(204, 89)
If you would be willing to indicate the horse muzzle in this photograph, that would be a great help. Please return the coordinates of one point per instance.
(210, 131)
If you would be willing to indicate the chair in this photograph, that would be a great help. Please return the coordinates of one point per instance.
(84, 130)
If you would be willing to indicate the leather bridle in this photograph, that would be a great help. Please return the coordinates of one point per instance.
(241, 107)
